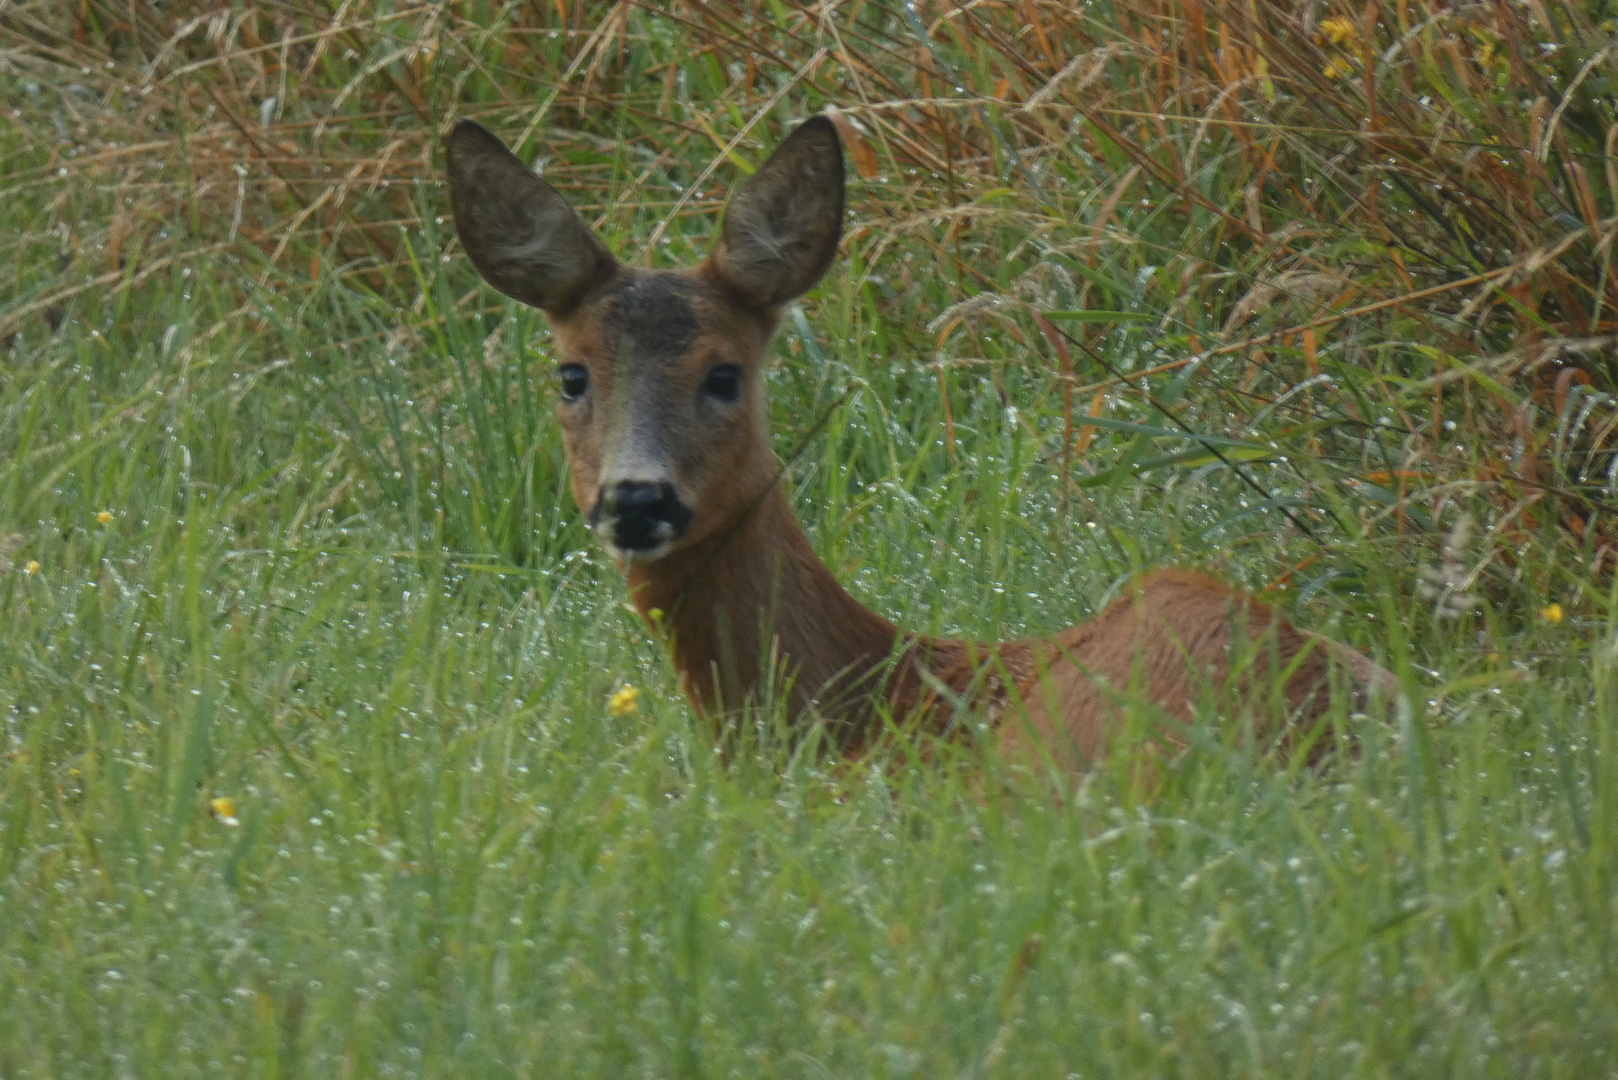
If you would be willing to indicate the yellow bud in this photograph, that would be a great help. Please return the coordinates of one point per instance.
(223, 810)
(32, 567)
(623, 702)
(1552, 613)
(104, 518)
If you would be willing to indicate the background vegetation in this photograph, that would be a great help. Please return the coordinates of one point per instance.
(308, 766)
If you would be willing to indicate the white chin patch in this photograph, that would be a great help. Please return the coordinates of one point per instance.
(626, 556)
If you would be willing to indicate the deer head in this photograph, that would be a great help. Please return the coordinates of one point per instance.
(660, 371)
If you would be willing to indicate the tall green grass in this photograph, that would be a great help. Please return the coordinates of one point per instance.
(305, 658)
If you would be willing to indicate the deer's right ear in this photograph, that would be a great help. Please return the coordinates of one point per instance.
(519, 232)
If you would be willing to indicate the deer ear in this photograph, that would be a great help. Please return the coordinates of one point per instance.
(519, 232)
(782, 226)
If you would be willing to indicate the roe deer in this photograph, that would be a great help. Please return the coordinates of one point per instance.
(663, 414)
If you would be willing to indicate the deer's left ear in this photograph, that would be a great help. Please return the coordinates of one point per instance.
(782, 226)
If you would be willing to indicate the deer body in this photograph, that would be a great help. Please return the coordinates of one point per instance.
(664, 421)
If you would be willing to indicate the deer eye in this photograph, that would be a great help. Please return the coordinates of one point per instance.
(724, 383)
(575, 380)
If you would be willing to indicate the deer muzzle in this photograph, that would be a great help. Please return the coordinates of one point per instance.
(640, 518)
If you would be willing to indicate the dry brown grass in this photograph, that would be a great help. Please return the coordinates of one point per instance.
(1414, 197)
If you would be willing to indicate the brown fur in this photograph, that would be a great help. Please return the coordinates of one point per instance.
(739, 594)
(729, 606)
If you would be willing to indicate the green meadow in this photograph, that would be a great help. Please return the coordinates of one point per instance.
(314, 756)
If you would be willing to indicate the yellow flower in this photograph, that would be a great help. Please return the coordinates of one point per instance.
(104, 517)
(1338, 31)
(623, 701)
(1552, 613)
(223, 810)
(32, 567)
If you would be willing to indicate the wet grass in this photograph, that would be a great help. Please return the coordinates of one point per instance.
(305, 659)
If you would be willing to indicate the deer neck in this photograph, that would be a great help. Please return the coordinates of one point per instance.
(755, 602)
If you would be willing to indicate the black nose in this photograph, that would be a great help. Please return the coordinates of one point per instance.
(641, 516)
